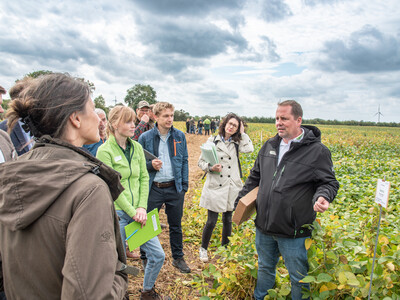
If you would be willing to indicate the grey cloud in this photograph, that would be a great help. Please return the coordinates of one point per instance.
(169, 64)
(60, 45)
(366, 50)
(76, 11)
(198, 41)
(270, 47)
(217, 97)
(236, 20)
(266, 51)
(317, 2)
(395, 92)
(8, 66)
(185, 7)
(275, 10)
(188, 76)
(293, 92)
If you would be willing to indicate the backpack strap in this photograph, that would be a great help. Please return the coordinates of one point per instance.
(237, 155)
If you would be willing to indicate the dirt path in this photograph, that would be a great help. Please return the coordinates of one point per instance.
(169, 274)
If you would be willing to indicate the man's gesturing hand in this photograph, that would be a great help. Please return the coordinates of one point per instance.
(321, 205)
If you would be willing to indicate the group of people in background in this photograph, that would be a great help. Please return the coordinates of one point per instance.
(207, 124)
(81, 177)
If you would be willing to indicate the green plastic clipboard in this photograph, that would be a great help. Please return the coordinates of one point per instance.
(137, 236)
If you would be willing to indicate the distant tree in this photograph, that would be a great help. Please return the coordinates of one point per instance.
(100, 102)
(138, 93)
(36, 74)
(92, 88)
(181, 115)
(5, 104)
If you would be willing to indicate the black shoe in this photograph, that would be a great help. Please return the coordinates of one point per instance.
(144, 264)
(180, 264)
(152, 294)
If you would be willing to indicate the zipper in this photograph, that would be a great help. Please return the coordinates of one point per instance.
(280, 175)
(130, 169)
(175, 142)
(274, 184)
(270, 193)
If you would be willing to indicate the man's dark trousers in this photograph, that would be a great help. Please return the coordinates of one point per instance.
(174, 210)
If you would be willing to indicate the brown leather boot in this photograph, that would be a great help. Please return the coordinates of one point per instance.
(153, 295)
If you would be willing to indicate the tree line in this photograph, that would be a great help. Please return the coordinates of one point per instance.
(140, 92)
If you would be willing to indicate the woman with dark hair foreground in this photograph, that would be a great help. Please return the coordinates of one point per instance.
(59, 233)
(223, 181)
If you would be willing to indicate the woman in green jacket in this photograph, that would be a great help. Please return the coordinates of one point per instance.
(127, 157)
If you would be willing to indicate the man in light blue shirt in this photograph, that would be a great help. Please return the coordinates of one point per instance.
(169, 175)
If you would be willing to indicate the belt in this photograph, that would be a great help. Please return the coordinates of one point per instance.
(164, 184)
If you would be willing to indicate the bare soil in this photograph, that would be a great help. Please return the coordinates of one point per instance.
(166, 281)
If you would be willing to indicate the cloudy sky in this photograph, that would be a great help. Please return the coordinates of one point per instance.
(339, 58)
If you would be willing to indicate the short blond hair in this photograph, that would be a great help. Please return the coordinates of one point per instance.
(117, 115)
(160, 106)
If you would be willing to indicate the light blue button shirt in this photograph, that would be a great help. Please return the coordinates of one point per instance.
(165, 174)
(27, 136)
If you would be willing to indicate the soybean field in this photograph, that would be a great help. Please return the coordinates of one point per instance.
(342, 246)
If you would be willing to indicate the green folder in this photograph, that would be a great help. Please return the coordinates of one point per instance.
(137, 236)
(209, 153)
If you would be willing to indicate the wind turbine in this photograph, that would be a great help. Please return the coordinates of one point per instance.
(379, 113)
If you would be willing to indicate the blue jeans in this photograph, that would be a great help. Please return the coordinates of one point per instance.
(154, 251)
(294, 254)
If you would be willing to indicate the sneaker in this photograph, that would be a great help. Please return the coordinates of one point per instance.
(180, 264)
(203, 254)
(152, 294)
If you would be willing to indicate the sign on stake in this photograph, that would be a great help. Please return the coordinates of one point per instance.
(382, 198)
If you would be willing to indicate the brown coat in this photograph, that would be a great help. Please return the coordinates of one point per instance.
(59, 233)
(7, 147)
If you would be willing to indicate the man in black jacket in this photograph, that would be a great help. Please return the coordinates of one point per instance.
(295, 175)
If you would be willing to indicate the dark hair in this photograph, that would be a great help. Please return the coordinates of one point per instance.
(221, 130)
(2, 90)
(47, 103)
(297, 111)
(19, 86)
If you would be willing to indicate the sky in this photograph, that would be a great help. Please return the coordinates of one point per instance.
(340, 59)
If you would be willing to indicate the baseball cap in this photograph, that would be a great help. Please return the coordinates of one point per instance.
(143, 104)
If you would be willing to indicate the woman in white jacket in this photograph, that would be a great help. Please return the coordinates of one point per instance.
(223, 181)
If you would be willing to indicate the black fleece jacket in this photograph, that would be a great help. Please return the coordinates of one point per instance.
(288, 191)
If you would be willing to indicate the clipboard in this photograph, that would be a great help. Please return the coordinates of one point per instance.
(148, 155)
(137, 236)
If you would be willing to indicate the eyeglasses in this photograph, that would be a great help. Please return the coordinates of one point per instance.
(232, 124)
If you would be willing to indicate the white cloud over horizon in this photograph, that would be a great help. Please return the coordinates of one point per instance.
(339, 58)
